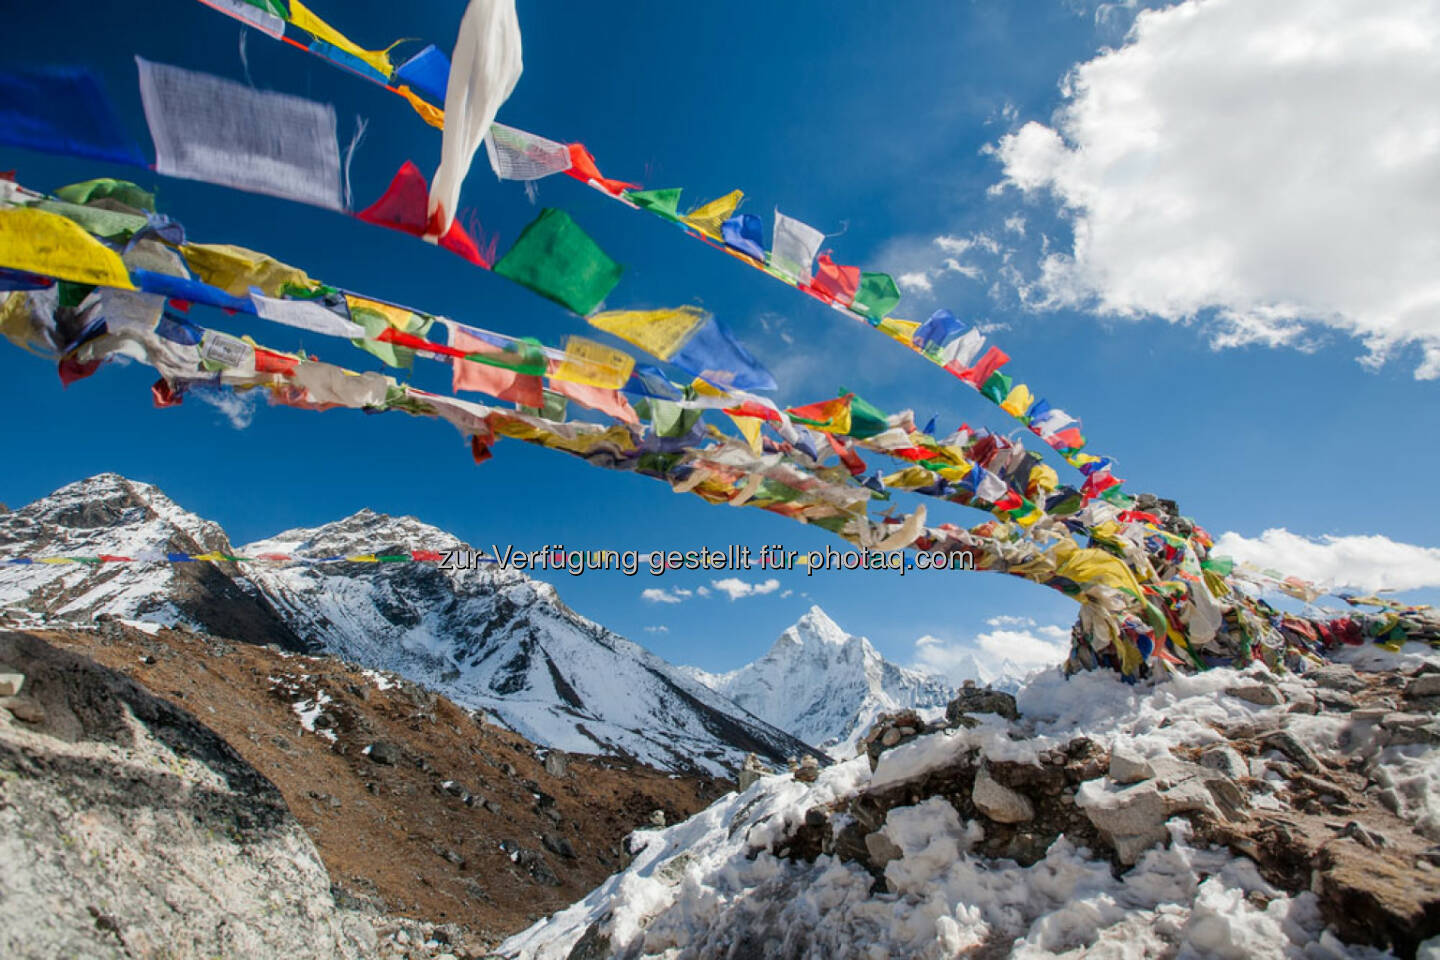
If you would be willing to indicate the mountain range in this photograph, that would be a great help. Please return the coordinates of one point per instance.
(489, 638)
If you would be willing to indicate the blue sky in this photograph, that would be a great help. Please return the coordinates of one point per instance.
(884, 125)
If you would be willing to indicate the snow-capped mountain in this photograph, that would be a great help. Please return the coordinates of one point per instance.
(825, 686)
(487, 638)
(108, 514)
(1006, 675)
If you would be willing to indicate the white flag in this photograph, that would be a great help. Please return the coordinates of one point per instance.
(793, 251)
(210, 129)
(307, 315)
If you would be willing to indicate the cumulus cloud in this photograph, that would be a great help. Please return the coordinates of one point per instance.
(1366, 562)
(916, 281)
(1025, 644)
(658, 595)
(1267, 166)
(659, 629)
(735, 588)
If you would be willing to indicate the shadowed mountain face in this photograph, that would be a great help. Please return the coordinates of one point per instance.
(487, 638)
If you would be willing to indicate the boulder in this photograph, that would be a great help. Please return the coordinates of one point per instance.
(1425, 685)
(1260, 694)
(881, 850)
(1224, 759)
(385, 753)
(999, 802)
(1337, 676)
(10, 684)
(971, 700)
(809, 770)
(1128, 766)
(556, 764)
(1285, 742)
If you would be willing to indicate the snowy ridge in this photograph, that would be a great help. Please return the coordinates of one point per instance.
(713, 886)
(487, 638)
(825, 686)
(497, 640)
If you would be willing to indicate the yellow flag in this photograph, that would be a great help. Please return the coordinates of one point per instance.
(400, 318)
(594, 364)
(363, 558)
(302, 17)
(430, 113)
(708, 217)
(706, 389)
(1042, 479)
(1019, 401)
(749, 428)
(909, 478)
(236, 269)
(55, 246)
(657, 332)
(901, 330)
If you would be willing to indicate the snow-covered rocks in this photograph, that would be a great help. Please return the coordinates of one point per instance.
(999, 802)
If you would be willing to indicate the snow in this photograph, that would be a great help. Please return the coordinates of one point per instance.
(700, 888)
(381, 681)
(309, 711)
(146, 626)
(826, 686)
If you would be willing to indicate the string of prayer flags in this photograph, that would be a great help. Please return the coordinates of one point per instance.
(559, 261)
(485, 67)
(211, 129)
(63, 110)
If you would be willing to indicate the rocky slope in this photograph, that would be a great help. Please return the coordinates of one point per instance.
(488, 638)
(1229, 814)
(128, 829)
(435, 825)
(825, 686)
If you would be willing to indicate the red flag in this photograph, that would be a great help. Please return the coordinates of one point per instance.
(71, 369)
(833, 282)
(524, 389)
(268, 361)
(582, 168)
(404, 205)
(994, 359)
(1068, 439)
(847, 454)
(164, 394)
(425, 556)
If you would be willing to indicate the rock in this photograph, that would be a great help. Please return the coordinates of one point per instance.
(451, 856)
(1337, 676)
(890, 737)
(557, 845)
(10, 684)
(24, 708)
(881, 850)
(1128, 766)
(534, 863)
(889, 730)
(809, 770)
(1425, 733)
(1337, 700)
(1224, 759)
(1132, 818)
(657, 818)
(556, 764)
(386, 753)
(1425, 685)
(1285, 742)
(1363, 835)
(999, 802)
(1260, 694)
(974, 700)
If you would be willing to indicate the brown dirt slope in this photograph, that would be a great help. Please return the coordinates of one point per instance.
(418, 806)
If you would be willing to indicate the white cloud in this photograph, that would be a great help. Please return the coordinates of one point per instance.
(1015, 224)
(786, 593)
(735, 588)
(702, 591)
(1271, 162)
(659, 629)
(657, 595)
(238, 408)
(1020, 640)
(917, 281)
(1366, 562)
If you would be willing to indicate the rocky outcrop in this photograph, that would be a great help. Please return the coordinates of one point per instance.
(127, 828)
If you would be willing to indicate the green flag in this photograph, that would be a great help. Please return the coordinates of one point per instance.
(557, 260)
(108, 188)
(877, 295)
(997, 388)
(664, 202)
